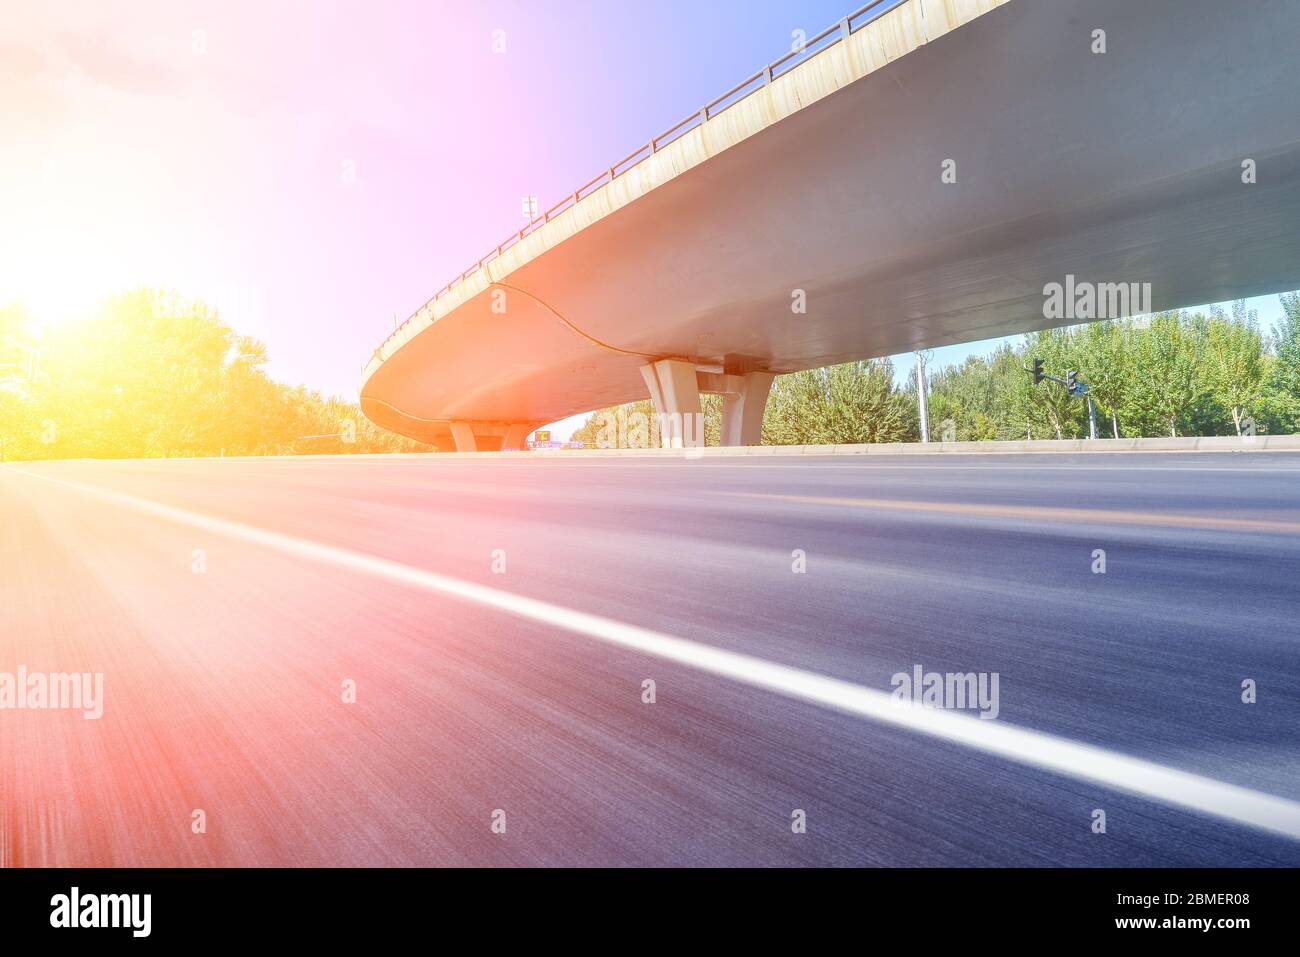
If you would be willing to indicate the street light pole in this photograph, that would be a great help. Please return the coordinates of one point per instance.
(923, 408)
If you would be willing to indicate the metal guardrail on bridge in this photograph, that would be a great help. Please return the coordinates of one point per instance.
(832, 35)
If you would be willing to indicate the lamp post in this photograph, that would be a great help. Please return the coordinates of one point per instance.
(922, 405)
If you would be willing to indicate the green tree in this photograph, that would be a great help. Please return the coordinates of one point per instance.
(962, 402)
(1102, 351)
(1280, 403)
(155, 375)
(849, 403)
(1233, 362)
(1167, 384)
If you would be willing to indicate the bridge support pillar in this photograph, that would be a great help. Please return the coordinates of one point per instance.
(675, 388)
(675, 394)
(462, 434)
(516, 435)
(742, 411)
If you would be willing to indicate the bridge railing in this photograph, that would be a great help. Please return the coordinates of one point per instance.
(832, 35)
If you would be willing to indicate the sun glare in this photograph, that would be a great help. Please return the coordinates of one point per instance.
(58, 296)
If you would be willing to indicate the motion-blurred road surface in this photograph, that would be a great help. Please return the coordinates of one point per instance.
(480, 608)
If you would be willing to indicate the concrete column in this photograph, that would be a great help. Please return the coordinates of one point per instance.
(675, 392)
(516, 435)
(463, 435)
(652, 384)
(742, 412)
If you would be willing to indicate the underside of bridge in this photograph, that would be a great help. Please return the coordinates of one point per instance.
(922, 199)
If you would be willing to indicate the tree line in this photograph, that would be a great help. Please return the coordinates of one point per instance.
(156, 375)
(1171, 373)
(153, 375)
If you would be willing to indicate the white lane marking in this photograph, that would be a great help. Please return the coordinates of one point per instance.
(1061, 755)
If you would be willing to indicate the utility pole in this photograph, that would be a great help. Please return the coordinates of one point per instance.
(922, 405)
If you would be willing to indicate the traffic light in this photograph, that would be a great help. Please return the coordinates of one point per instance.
(1038, 371)
(1071, 381)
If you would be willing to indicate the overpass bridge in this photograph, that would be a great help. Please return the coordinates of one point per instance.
(915, 178)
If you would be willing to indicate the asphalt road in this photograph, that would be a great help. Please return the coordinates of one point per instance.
(227, 602)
